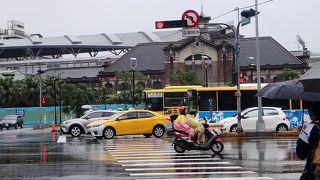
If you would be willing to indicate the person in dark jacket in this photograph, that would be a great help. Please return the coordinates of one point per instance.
(308, 140)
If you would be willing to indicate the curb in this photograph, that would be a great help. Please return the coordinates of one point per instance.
(262, 134)
(40, 126)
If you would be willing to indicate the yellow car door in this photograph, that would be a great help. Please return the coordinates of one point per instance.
(146, 122)
(127, 123)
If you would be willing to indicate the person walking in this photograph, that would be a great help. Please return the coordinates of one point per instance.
(308, 141)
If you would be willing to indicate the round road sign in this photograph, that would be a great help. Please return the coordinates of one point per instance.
(192, 18)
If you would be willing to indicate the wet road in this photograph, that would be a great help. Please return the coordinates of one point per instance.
(35, 154)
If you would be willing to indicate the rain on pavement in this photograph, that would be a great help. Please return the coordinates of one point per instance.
(40, 154)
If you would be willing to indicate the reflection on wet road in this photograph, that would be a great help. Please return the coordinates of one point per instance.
(35, 154)
(242, 159)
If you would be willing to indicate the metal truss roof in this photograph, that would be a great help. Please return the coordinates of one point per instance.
(34, 47)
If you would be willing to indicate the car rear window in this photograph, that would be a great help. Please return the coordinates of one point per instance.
(107, 114)
(270, 112)
(145, 115)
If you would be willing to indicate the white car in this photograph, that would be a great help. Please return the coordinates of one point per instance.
(76, 127)
(274, 118)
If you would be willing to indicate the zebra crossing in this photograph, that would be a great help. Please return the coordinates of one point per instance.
(156, 159)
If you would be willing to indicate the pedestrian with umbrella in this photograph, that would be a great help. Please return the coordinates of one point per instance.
(308, 142)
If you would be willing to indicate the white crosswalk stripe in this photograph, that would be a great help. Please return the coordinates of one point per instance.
(147, 159)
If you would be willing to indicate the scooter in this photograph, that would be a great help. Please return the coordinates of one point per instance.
(213, 141)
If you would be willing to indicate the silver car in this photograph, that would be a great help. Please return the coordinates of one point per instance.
(11, 121)
(76, 127)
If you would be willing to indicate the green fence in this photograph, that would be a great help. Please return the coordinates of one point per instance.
(31, 115)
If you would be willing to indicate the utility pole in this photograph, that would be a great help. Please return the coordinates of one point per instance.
(260, 126)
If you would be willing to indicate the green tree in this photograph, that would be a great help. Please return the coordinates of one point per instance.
(125, 94)
(287, 74)
(104, 94)
(182, 78)
(74, 96)
(7, 95)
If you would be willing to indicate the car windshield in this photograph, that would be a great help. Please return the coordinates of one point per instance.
(97, 114)
(9, 117)
(117, 115)
(242, 112)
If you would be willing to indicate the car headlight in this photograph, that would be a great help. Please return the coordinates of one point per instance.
(65, 122)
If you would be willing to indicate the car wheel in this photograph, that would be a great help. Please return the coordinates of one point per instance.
(147, 135)
(234, 128)
(7, 127)
(282, 127)
(158, 131)
(109, 133)
(75, 130)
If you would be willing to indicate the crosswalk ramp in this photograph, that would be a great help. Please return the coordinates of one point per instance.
(156, 159)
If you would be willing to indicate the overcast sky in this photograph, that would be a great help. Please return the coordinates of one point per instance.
(281, 19)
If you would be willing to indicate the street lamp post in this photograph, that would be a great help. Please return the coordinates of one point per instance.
(205, 60)
(133, 65)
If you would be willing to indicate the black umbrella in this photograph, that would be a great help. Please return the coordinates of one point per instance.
(292, 89)
(311, 79)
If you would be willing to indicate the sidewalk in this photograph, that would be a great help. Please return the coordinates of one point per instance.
(288, 134)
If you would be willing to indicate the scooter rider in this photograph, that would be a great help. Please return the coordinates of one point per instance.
(181, 123)
(197, 126)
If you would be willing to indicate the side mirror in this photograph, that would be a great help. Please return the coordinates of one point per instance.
(87, 117)
(120, 118)
(245, 116)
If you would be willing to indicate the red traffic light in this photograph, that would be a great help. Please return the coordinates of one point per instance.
(159, 24)
(171, 24)
(43, 100)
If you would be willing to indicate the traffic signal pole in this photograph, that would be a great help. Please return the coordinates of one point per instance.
(237, 64)
(260, 126)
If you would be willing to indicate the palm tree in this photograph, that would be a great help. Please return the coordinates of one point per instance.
(7, 96)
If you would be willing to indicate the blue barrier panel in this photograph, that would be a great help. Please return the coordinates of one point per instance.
(296, 117)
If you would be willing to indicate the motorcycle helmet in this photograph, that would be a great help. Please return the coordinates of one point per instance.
(182, 110)
(193, 112)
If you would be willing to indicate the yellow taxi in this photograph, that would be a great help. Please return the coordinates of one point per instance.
(130, 123)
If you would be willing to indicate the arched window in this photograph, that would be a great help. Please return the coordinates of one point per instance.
(108, 85)
(157, 85)
(261, 80)
(199, 66)
(141, 84)
(123, 86)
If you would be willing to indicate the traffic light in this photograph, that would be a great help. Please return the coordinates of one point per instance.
(43, 100)
(249, 13)
(171, 24)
